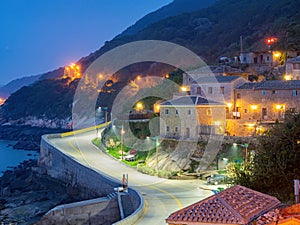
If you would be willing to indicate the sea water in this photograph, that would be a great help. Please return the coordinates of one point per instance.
(10, 157)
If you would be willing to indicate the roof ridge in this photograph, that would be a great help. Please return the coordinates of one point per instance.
(230, 208)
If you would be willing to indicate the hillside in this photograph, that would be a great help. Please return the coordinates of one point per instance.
(210, 32)
(173, 9)
(16, 84)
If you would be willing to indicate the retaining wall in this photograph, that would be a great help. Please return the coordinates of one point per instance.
(68, 170)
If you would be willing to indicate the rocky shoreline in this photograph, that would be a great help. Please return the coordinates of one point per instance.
(26, 137)
(27, 193)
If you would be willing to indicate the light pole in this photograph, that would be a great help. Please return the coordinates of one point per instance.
(122, 140)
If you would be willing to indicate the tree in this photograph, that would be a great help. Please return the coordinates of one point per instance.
(276, 161)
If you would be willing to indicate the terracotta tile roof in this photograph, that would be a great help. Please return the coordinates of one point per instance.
(236, 205)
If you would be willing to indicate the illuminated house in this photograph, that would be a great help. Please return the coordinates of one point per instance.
(293, 68)
(236, 205)
(266, 101)
(259, 57)
(217, 88)
(189, 117)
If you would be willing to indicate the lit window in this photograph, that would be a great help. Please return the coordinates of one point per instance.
(238, 95)
(210, 91)
(264, 93)
(208, 112)
(166, 111)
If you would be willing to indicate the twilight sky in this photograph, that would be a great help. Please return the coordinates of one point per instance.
(37, 36)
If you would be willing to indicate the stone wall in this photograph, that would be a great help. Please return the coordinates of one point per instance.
(98, 212)
(68, 170)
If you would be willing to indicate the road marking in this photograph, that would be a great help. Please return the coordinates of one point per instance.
(171, 195)
(84, 130)
(80, 152)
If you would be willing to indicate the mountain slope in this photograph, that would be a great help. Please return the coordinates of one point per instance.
(173, 9)
(209, 32)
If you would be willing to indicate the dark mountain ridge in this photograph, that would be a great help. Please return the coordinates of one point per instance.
(210, 32)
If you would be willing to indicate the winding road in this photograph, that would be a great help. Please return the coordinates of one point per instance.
(161, 196)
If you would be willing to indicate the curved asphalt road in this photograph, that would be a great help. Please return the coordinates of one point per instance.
(162, 196)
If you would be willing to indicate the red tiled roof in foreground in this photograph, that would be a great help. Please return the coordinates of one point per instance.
(235, 205)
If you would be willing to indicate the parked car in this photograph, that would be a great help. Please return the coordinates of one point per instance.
(130, 157)
(217, 179)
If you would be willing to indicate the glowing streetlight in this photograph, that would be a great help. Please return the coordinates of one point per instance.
(229, 105)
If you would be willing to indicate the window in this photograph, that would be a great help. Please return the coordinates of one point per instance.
(238, 95)
(166, 111)
(245, 110)
(176, 111)
(198, 91)
(189, 112)
(274, 92)
(264, 93)
(168, 129)
(176, 129)
(295, 92)
(210, 91)
(221, 90)
(208, 112)
(268, 58)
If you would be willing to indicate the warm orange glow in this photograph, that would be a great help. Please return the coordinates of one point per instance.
(229, 105)
(250, 125)
(183, 88)
(138, 77)
(254, 107)
(139, 106)
(280, 107)
(72, 71)
(2, 100)
(288, 77)
(157, 107)
(276, 54)
(167, 76)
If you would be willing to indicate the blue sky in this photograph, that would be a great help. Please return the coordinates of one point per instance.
(37, 36)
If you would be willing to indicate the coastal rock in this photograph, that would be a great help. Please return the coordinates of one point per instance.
(26, 195)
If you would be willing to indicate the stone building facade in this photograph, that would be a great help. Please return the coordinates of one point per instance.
(293, 68)
(189, 117)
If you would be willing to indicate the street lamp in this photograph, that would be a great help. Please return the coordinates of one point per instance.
(122, 140)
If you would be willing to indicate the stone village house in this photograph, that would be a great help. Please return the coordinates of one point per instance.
(249, 107)
(190, 116)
